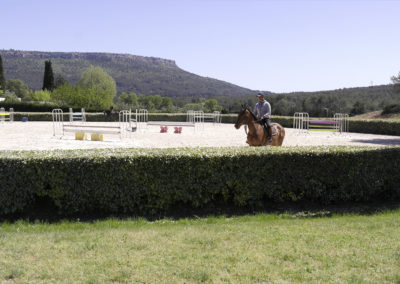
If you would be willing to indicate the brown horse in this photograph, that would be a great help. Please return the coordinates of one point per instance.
(256, 135)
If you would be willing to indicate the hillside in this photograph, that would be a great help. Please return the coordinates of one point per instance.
(378, 115)
(142, 75)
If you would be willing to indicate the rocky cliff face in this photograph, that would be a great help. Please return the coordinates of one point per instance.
(88, 56)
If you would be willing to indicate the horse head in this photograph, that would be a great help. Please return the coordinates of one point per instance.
(245, 117)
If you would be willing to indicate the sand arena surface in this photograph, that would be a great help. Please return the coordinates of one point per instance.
(39, 136)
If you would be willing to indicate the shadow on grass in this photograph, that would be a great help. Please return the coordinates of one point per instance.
(45, 212)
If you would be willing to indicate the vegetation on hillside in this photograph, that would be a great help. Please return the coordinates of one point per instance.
(141, 75)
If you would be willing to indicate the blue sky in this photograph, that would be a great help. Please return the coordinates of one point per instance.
(278, 46)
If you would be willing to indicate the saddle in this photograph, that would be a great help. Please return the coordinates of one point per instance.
(273, 130)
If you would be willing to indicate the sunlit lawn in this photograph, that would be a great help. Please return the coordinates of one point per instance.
(250, 249)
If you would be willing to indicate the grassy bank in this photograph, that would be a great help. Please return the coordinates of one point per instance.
(250, 249)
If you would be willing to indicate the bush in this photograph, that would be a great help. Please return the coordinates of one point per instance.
(153, 181)
(393, 108)
(375, 126)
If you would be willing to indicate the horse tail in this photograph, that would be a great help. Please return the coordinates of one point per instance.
(281, 135)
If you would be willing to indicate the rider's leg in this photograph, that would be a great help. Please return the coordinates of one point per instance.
(267, 127)
(271, 129)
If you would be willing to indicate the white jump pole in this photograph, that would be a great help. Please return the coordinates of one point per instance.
(301, 122)
(11, 114)
(58, 119)
(190, 116)
(2, 114)
(217, 117)
(142, 118)
(198, 119)
(343, 122)
(83, 115)
(124, 123)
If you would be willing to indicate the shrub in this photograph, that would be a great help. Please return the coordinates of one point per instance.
(152, 181)
(393, 108)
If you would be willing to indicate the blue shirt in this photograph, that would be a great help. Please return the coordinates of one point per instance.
(262, 110)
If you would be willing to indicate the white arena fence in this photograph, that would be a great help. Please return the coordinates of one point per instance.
(303, 123)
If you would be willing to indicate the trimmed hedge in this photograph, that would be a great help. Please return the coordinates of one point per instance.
(38, 107)
(375, 126)
(46, 116)
(153, 181)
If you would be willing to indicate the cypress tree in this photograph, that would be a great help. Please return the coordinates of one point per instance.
(48, 79)
(2, 78)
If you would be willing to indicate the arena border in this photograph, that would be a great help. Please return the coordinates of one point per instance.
(366, 126)
(140, 182)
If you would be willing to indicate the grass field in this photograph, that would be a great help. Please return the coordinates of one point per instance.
(273, 248)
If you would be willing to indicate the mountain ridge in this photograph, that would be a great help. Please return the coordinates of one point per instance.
(132, 73)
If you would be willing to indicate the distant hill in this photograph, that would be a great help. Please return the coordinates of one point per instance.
(378, 115)
(142, 75)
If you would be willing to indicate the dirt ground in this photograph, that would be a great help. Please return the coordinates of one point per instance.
(39, 136)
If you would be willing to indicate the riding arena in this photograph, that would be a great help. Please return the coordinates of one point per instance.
(134, 130)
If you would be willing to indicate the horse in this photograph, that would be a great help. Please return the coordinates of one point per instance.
(256, 135)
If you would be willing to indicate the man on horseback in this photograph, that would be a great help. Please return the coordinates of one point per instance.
(263, 112)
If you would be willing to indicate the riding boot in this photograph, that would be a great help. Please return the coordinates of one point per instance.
(268, 132)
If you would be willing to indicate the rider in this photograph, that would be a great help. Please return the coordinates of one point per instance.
(263, 111)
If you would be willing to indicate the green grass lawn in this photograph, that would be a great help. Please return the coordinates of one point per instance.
(251, 249)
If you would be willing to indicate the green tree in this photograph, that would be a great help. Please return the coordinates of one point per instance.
(19, 88)
(130, 99)
(358, 108)
(396, 83)
(97, 79)
(193, 106)
(148, 102)
(2, 78)
(212, 105)
(101, 87)
(10, 97)
(157, 101)
(59, 81)
(48, 78)
(70, 95)
(166, 102)
(41, 96)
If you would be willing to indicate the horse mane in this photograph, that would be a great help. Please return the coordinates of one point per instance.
(252, 114)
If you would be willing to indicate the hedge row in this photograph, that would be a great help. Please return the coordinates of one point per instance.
(153, 181)
(37, 107)
(385, 127)
(375, 126)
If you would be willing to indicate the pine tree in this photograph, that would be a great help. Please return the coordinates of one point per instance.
(2, 78)
(48, 79)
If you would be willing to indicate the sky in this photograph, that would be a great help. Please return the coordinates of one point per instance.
(278, 46)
